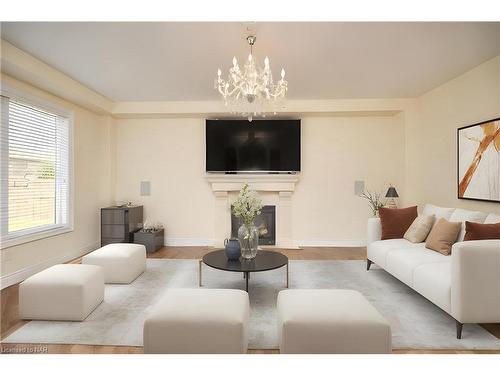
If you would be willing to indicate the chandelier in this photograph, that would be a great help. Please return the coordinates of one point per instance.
(251, 92)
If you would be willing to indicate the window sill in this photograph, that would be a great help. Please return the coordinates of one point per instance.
(25, 238)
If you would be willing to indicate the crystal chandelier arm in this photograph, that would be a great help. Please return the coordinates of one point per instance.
(250, 89)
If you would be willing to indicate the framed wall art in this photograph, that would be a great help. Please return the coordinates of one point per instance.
(478, 161)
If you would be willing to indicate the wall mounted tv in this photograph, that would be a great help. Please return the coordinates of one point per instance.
(260, 146)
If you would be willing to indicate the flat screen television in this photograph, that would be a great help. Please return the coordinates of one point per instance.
(260, 146)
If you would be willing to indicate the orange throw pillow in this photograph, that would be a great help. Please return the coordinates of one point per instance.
(476, 231)
(396, 221)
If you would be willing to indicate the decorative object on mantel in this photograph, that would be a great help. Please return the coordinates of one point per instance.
(392, 195)
(250, 91)
(479, 161)
(232, 248)
(374, 199)
(246, 207)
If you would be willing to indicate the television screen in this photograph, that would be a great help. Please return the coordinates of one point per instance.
(260, 146)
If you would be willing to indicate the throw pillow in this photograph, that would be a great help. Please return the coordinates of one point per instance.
(443, 236)
(419, 229)
(476, 231)
(396, 221)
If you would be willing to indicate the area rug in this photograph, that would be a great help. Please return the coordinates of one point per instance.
(416, 323)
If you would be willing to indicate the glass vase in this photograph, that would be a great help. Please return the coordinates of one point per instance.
(248, 235)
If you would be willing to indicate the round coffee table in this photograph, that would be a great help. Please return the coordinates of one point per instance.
(264, 261)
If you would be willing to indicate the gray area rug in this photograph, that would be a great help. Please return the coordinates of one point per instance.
(416, 323)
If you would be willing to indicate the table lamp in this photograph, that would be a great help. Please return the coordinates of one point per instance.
(392, 194)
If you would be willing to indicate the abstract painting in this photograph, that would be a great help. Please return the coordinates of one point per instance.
(479, 161)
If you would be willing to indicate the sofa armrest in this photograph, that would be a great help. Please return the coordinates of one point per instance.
(475, 281)
(374, 230)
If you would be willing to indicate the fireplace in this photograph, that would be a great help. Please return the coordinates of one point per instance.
(265, 223)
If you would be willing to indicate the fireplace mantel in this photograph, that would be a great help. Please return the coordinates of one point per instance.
(257, 182)
(281, 187)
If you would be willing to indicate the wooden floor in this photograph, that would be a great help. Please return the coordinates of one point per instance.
(10, 321)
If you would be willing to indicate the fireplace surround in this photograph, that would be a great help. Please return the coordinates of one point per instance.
(274, 190)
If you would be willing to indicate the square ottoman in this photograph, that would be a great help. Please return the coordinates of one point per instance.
(122, 262)
(62, 292)
(330, 321)
(198, 321)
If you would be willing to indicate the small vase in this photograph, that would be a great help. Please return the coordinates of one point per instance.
(248, 235)
(232, 248)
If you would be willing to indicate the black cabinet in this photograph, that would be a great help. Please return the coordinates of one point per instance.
(118, 224)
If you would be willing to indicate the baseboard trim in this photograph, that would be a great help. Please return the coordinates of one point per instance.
(331, 243)
(295, 244)
(189, 242)
(24, 273)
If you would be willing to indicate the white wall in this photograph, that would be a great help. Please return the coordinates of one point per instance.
(91, 191)
(336, 151)
(431, 133)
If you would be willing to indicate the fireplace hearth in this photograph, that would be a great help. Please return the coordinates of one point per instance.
(265, 223)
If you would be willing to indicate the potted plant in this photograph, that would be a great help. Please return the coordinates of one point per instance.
(246, 207)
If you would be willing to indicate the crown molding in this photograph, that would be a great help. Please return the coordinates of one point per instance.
(24, 67)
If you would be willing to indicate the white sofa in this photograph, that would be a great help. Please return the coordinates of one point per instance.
(465, 284)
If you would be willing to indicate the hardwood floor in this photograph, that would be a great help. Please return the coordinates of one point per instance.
(10, 306)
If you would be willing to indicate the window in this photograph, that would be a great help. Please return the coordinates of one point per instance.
(35, 171)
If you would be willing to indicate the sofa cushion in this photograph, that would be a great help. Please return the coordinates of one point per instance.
(377, 251)
(402, 262)
(443, 236)
(433, 281)
(419, 229)
(462, 216)
(438, 212)
(492, 219)
(476, 231)
(396, 221)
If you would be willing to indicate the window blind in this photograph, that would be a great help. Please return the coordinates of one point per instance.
(35, 169)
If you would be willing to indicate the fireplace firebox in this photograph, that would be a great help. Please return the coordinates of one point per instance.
(265, 223)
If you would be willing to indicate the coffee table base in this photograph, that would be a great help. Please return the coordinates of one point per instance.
(246, 275)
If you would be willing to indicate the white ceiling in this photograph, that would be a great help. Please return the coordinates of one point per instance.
(179, 61)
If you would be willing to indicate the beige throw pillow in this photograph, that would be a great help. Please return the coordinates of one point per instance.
(419, 229)
(443, 236)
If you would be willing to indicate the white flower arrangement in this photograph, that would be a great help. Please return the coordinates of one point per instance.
(151, 227)
(247, 206)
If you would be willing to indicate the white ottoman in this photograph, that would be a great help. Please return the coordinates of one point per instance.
(61, 292)
(330, 321)
(122, 262)
(198, 321)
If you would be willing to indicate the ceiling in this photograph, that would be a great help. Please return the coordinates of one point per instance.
(170, 61)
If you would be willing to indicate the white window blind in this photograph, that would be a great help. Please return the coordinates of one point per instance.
(35, 170)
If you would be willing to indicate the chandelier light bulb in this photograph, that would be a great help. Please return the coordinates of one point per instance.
(219, 72)
(266, 62)
(235, 62)
(250, 57)
(282, 73)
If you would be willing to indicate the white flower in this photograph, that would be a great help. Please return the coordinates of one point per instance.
(247, 206)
